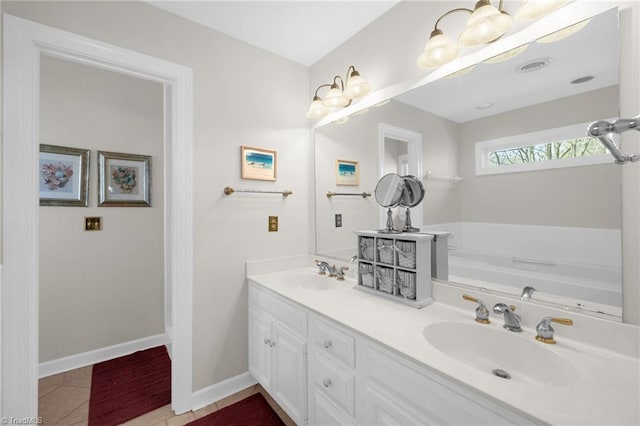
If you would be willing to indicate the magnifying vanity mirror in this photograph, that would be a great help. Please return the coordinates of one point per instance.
(390, 192)
(412, 195)
(554, 226)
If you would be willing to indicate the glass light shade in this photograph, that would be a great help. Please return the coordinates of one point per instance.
(485, 25)
(506, 55)
(357, 86)
(317, 110)
(335, 98)
(462, 72)
(532, 9)
(439, 50)
(564, 33)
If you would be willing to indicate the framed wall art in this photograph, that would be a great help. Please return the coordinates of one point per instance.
(64, 176)
(259, 163)
(124, 180)
(347, 173)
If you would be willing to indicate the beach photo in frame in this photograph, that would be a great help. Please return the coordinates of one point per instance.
(259, 163)
(64, 176)
(347, 173)
(124, 180)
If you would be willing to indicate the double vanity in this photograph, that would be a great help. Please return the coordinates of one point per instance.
(329, 353)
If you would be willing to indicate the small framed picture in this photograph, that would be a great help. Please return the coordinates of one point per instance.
(124, 180)
(258, 163)
(347, 173)
(64, 176)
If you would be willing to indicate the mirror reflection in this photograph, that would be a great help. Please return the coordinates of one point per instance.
(528, 200)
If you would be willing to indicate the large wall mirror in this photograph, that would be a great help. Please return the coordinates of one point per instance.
(556, 229)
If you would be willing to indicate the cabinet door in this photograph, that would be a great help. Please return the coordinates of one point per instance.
(382, 409)
(260, 349)
(289, 378)
(324, 413)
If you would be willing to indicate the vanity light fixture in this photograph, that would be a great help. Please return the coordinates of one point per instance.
(341, 93)
(486, 24)
(506, 55)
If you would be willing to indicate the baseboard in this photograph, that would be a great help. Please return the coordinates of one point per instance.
(72, 362)
(218, 391)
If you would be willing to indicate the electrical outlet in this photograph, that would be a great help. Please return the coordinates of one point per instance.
(338, 220)
(273, 223)
(92, 223)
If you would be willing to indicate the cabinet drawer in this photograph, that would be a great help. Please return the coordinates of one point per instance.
(324, 413)
(328, 339)
(283, 311)
(337, 383)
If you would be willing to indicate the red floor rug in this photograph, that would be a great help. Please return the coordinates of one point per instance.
(251, 411)
(130, 386)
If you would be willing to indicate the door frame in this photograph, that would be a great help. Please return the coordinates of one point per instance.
(23, 44)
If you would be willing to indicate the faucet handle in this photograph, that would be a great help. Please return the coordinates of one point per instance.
(482, 313)
(545, 331)
(340, 272)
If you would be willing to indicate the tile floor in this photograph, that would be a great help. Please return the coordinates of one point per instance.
(63, 400)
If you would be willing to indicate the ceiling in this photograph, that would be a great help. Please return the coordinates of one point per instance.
(301, 31)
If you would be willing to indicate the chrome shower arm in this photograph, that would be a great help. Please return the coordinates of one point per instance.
(602, 129)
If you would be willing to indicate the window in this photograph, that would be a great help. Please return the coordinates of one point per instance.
(562, 147)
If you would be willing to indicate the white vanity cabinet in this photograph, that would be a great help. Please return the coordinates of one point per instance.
(278, 351)
(351, 379)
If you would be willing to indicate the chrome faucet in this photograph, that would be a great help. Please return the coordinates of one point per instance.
(511, 320)
(323, 267)
(527, 292)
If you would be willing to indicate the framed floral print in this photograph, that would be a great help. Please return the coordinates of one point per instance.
(64, 176)
(124, 180)
(259, 163)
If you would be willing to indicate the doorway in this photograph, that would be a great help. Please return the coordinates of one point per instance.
(24, 44)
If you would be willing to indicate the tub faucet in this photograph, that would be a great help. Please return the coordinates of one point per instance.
(527, 292)
(511, 320)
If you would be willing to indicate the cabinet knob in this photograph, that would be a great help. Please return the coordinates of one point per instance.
(267, 341)
(326, 382)
(327, 344)
(272, 343)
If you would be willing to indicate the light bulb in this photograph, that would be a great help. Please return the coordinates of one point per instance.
(335, 98)
(486, 24)
(439, 50)
(357, 86)
(316, 109)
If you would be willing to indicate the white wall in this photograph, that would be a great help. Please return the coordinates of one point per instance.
(242, 96)
(585, 196)
(99, 289)
(630, 107)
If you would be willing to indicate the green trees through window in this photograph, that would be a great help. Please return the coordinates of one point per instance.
(569, 148)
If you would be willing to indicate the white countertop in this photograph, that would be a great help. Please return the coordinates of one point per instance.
(606, 390)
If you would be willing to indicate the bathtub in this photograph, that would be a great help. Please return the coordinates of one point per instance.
(585, 285)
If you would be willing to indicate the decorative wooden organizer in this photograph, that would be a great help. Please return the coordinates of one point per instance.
(395, 266)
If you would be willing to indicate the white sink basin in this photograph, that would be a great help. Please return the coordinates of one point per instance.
(489, 349)
(315, 282)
